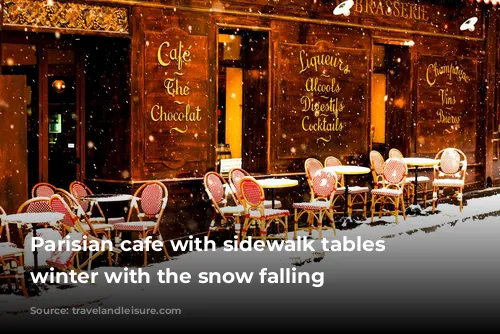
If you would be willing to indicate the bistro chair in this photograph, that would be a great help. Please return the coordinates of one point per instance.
(33, 205)
(393, 180)
(72, 224)
(357, 194)
(449, 173)
(311, 167)
(218, 191)
(235, 175)
(256, 213)
(80, 190)
(43, 189)
(422, 181)
(377, 166)
(12, 266)
(94, 228)
(149, 202)
(324, 185)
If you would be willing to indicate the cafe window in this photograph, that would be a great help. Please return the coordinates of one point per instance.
(243, 97)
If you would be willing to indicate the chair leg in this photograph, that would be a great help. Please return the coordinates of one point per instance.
(434, 198)
(460, 198)
(295, 224)
(310, 222)
(396, 208)
(143, 236)
(425, 195)
(164, 247)
(286, 228)
(349, 204)
(118, 237)
(403, 209)
(320, 225)
(373, 207)
(365, 201)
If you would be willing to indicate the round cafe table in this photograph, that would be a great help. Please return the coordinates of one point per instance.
(106, 199)
(415, 208)
(346, 171)
(276, 183)
(34, 218)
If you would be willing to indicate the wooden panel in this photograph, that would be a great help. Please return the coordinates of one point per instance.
(320, 100)
(176, 88)
(446, 103)
(13, 142)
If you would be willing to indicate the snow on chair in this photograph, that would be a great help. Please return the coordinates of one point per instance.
(311, 167)
(235, 175)
(149, 202)
(357, 194)
(95, 228)
(80, 190)
(449, 173)
(256, 213)
(393, 180)
(324, 185)
(218, 191)
(72, 223)
(43, 189)
(33, 205)
(11, 265)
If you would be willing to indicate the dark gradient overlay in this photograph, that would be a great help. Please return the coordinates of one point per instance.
(446, 281)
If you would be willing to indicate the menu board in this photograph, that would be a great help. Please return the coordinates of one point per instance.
(176, 101)
(447, 103)
(321, 100)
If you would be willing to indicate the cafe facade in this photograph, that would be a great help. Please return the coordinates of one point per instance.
(115, 93)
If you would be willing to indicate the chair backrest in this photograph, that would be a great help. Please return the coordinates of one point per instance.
(43, 189)
(35, 205)
(332, 162)
(216, 188)
(252, 194)
(453, 163)
(150, 200)
(395, 153)
(395, 172)
(377, 166)
(235, 175)
(79, 190)
(324, 185)
(2, 213)
(70, 221)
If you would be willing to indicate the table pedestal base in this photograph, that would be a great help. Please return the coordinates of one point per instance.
(416, 210)
(346, 220)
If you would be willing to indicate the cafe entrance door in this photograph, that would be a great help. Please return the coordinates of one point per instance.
(50, 68)
(391, 96)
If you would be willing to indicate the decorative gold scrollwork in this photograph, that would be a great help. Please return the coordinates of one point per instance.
(66, 15)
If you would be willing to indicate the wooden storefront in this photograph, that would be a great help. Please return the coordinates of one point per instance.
(148, 77)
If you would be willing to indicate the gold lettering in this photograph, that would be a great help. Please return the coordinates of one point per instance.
(160, 59)
(174, 88)
(153, 109)
(403, 10)
(447, 119)
(396, 10)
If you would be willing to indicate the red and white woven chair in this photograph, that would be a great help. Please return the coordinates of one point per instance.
(377, 166)
(218, 190)
(235, 175)
(422, 181)
(324, 186)
(79, 190)
(256, 213)
(149, 202)
(3, 214)
(12, 266)
(33, 205)
(72, 223)
(357, 194)
(393, 180)
(43, 189)
(311, 167)
(449, 173)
